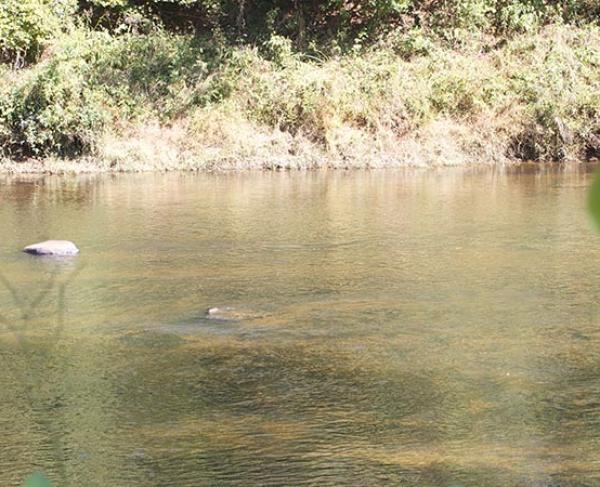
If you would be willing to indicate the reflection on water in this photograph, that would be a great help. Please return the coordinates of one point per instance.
(426, 328)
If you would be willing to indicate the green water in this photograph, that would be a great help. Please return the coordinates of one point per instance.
(398, 328)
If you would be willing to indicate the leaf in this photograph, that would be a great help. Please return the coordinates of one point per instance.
(593, 202)
(37, 480)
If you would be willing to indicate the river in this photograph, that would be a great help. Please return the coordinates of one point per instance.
(422, 327)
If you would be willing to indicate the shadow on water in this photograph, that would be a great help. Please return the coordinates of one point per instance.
(223, 413)
(260, 415)
(33, 368)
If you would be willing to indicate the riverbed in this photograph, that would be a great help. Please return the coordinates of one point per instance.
(393, 327)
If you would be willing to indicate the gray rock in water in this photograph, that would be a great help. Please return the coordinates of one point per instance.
(52, 247)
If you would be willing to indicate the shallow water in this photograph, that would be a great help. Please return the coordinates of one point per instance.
(429, 328)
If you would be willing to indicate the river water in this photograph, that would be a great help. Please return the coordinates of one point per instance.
(427, 328)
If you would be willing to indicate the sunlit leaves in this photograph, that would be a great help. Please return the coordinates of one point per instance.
(593, 202)
(37, 480)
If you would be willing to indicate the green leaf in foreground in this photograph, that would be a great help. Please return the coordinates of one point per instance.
(37, 480)
(594, 199)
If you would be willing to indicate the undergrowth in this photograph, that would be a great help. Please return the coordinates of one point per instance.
(409, 98)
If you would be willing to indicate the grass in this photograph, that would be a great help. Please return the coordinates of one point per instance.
(165, 101)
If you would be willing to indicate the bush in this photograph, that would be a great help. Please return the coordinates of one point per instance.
(51, 110)
(339, 24)
(60, 106)
(556, 78)
(26, 25)
(156, 72)
(537, 93)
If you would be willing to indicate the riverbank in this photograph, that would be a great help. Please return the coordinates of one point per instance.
(161, 101)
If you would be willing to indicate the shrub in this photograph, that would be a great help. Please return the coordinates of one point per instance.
(156, 72)
(51, 109)
(60, 106)
(340, 23)
(26, 25)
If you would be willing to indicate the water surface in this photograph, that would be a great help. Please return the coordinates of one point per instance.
(427, 328)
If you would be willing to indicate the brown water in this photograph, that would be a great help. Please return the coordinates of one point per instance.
(434, 328)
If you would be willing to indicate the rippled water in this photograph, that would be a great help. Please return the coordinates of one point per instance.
(435, 328)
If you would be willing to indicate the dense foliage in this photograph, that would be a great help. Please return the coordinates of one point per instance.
(26, 25)
(349, 78)
(344, 21)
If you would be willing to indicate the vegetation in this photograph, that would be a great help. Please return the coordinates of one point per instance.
(135, 84)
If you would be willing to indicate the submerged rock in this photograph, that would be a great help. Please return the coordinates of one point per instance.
(226, 313)
(229, 314)
(52, 247)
